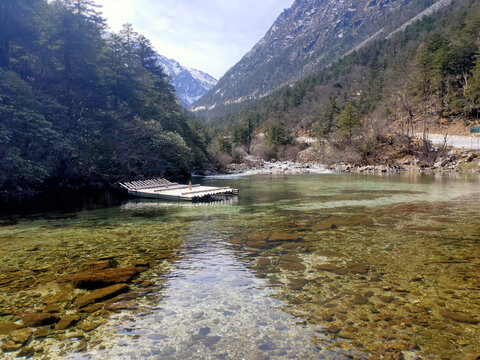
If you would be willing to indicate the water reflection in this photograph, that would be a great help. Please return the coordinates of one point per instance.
(140, 204)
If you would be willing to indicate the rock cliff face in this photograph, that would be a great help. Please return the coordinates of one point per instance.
(190, 84)
(308, 36)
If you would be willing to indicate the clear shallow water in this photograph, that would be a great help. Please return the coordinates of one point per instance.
(307, 266)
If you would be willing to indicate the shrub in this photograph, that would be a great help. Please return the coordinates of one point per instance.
(238, 154)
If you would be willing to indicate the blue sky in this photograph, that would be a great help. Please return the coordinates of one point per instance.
(209, 35)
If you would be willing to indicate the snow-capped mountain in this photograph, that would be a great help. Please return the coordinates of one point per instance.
(190, 84)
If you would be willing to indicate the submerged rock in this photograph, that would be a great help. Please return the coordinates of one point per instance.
(81, 347)
(283, 237)
(26, 352)
(39, 319)
(211, 340)
(124, 305)
(9, 346)
(459, 317)
(7, 327)
(64, 294)
(236, 240)
(66, 322)
(291, 263)
(327, 224)
(360, 300)
(101, 278)
(330, 253)
(386, 299)
(141, 265)
(169, 350)
(101, 294)
(358, 268)
(52, 308)
(89, 326)
(21, 335)
(260, 241)
(41, 332)
(91, 308)
(262, 263)
(297, 284)
(101, 265)
(293, 266)
(335, 222)
(332, 268)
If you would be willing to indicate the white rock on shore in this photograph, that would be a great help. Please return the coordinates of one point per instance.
(278, 167)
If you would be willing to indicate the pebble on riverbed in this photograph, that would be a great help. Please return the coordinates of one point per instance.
(99, 285)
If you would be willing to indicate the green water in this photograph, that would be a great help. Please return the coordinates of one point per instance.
(308, 266)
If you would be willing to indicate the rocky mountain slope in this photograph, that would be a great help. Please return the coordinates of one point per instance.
(308, 36)
(190, 84)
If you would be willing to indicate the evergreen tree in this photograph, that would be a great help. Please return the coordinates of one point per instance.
(277, 134)
(349, 121)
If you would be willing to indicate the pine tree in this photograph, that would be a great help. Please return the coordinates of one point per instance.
(349, 121)
(129, 36)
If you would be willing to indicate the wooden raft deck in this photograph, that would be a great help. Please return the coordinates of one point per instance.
(166, 190)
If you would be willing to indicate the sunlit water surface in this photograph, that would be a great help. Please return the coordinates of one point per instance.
(306, 267)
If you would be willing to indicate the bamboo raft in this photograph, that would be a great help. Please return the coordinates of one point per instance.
(166, 190)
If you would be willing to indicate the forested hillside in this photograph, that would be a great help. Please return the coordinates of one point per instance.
(305, 38)
(80, 106)
(428, 73)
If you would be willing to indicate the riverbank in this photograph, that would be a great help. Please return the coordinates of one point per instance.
(277, 168)
(453, 161)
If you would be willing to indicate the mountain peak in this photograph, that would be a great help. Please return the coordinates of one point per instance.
(190, 84)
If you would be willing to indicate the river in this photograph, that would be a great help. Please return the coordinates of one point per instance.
(325, 266)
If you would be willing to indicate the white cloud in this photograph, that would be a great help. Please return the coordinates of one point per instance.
(210, 35)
